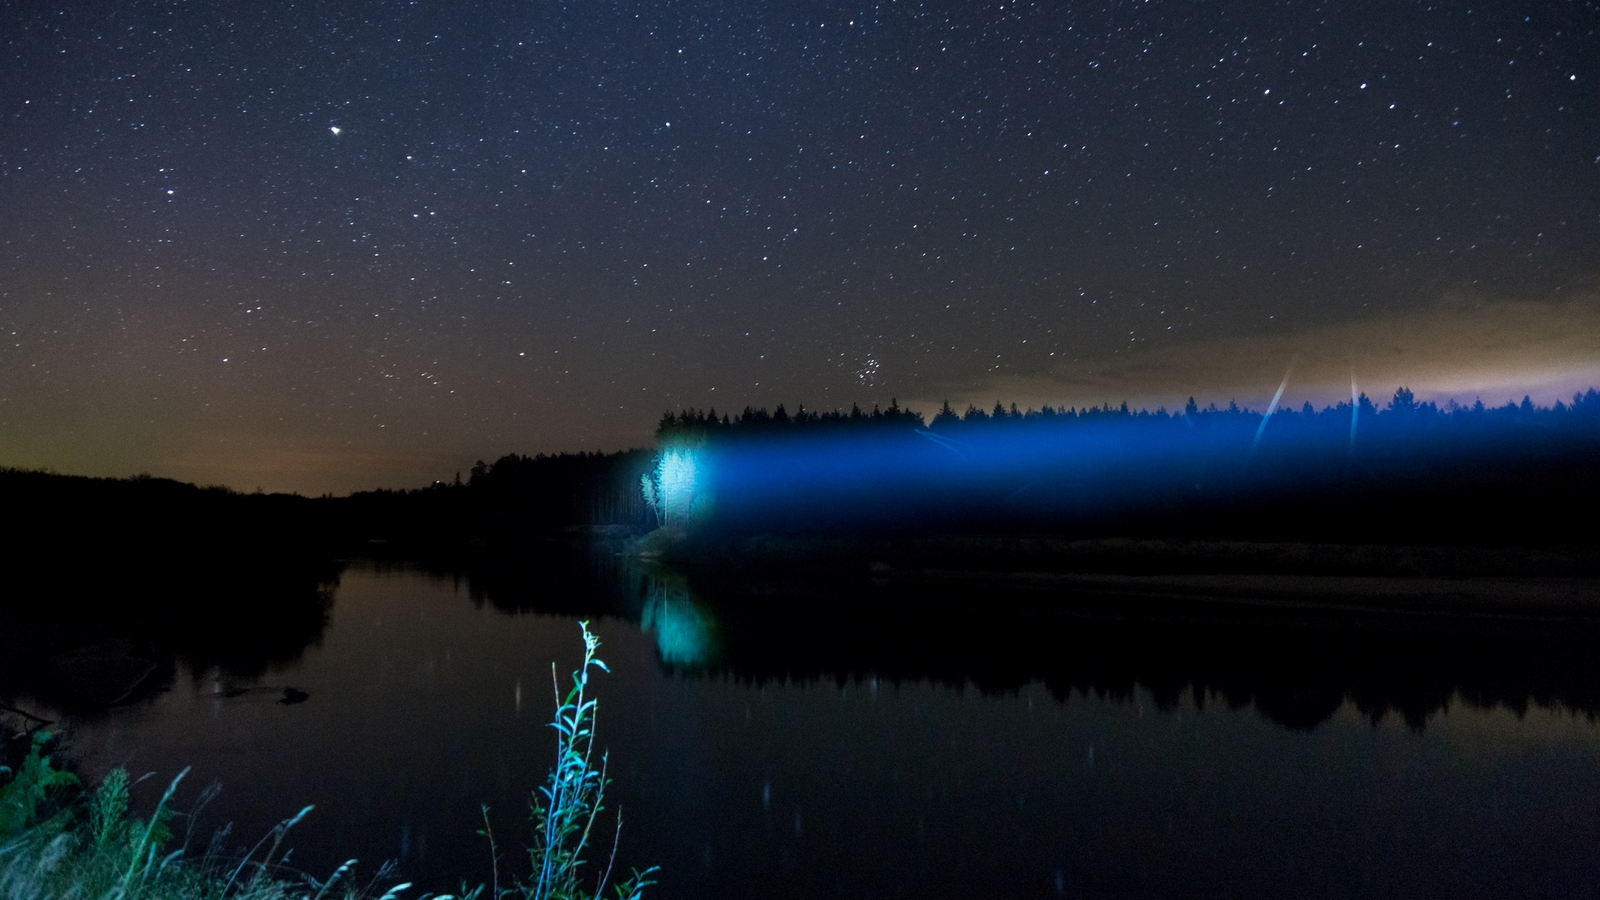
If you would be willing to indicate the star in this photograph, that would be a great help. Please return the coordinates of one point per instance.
(335, 129)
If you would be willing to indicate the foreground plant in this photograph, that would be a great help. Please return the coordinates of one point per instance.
(34, 790)
(57, 841)
(566, 808)
(89, 847)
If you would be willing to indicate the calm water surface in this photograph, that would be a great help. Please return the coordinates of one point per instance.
(835, 775)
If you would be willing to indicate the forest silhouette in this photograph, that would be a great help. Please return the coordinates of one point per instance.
(106, 577)
(152, 569)
(1408, 472)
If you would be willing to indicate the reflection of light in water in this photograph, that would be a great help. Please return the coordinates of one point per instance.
(686, 631)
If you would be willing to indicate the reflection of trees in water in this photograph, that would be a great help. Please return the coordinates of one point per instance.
(1296, 667)
(246, 634)
(685, 629)
(552, 577)
(102, 574)
(584, 580)
(75, 635)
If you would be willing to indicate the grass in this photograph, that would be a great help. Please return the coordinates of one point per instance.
(58, 840)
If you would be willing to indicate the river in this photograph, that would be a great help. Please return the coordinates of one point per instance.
(899, 747)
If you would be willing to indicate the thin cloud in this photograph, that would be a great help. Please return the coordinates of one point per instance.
(1458, 350)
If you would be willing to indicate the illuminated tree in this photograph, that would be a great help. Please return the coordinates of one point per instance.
(672, 488)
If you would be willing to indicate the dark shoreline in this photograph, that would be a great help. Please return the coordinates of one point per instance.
(118, 585)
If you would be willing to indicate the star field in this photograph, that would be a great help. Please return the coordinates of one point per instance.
(326, 246)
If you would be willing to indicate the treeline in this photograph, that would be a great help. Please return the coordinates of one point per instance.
(61, 530)
(114, 531)
(699, 422)
(1407, 472)
(1402, 410)
(155, 569)
(501, 504)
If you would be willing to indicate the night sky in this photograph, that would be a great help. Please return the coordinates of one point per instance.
(333, 246)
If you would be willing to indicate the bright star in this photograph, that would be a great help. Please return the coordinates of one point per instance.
(335, 129)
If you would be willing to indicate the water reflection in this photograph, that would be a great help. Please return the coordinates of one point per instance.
(561, 578)
(122, 634)
(547, 576)
(1295, 665)
(685, 629)
(819, 750)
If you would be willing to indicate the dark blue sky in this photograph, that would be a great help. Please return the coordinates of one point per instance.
(325, 246)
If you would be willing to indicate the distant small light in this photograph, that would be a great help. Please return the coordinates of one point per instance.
(336, 129)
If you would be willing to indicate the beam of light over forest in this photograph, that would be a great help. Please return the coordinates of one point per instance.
(1413, 471)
